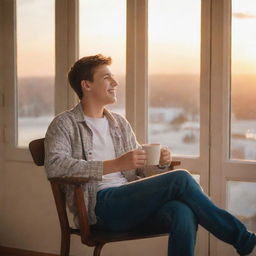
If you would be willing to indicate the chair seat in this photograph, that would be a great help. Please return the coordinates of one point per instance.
(108, 236)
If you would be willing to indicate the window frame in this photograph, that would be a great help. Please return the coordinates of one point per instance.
(66, 30)
(213, 164)
(222, 168)
(136, 68)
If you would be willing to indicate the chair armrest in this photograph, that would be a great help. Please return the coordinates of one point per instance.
(173, 164)
(82, 180)
(69, 180)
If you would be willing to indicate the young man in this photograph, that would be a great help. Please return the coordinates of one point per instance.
(90, 141)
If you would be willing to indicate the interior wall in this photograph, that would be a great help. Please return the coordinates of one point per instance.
(1, 111)
(1, 160)
(28, 216)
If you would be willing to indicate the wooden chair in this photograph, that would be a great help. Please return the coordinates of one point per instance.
(88, 234)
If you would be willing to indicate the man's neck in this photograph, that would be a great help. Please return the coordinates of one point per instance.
(92, 110)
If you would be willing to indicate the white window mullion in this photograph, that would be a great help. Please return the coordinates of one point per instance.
(136, 81)
(66, 18)
(216, 114)
(131, 63)
(142, 71)
(73, 43)
(8, 75)
(205, 73)
(202, 163)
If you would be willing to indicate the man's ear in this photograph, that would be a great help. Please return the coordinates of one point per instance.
(85, 85)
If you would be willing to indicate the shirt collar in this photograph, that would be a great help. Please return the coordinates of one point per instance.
(79, 114)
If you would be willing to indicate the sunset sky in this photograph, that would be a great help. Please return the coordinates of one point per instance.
(244, 36)
(174, 35)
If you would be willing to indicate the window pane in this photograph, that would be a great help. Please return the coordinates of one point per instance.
(242, 202)
(174, 74)
(243, 85)
(35, 68)
(102, 30)
(196, 177)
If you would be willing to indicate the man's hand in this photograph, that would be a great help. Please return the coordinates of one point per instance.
(130, 160)
(165, 157)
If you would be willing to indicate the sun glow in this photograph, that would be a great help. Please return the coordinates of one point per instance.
(35, 38)
(244, 36)
(174, 35)
(102, 29)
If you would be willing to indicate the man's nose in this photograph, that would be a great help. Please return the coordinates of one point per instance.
(114, 82)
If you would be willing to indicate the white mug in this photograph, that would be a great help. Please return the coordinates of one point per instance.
(153, 152)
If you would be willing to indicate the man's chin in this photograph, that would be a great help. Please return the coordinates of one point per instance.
(112, 101)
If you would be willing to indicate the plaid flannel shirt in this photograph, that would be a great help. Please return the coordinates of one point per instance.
(68, 152)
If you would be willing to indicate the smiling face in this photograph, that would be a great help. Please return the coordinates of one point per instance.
(102, 90)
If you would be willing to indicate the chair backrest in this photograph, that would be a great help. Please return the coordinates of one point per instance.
(36, 148)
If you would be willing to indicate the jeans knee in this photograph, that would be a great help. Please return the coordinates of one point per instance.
(184, 177)
(182, 174)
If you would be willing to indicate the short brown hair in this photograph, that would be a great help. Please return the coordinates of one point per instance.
(83, 69)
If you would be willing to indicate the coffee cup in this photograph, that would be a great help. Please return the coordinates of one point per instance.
(153, 152)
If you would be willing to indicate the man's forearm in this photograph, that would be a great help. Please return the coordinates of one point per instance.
(131, 160)
(110, 166)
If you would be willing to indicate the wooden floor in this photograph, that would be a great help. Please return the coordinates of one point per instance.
(7, 251)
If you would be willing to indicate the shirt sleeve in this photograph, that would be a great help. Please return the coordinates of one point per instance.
(59, 161)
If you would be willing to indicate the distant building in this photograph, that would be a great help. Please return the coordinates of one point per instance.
(164, 115)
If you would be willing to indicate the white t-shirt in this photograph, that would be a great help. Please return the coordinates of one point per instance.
(103, 149)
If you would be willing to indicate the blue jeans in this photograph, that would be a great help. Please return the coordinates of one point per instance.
(172, 202)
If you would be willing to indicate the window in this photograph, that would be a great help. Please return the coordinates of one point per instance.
(242, 202)
(35, 68)
(102, 29)
(174, 74)
(243, 89)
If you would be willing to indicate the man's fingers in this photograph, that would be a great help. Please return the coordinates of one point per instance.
(165, 153)
(140, 152)
(165, 157)
(141, 157)
(141, 162)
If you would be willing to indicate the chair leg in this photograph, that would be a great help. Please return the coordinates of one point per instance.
(97, 249)
(65, 244)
